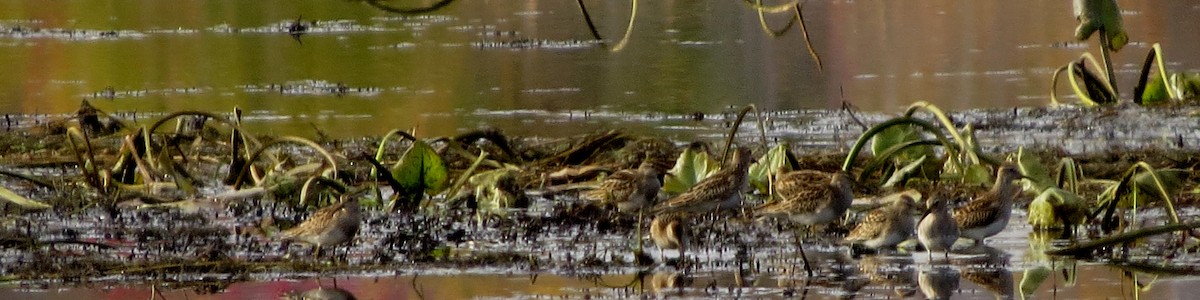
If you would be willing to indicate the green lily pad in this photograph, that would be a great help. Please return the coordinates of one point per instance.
(420, 170)
(774, 162)
(692, 166)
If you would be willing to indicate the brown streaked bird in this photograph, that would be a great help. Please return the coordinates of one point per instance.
(937, 230)
(669, 231)
(886, 226)
(720, 191)
(809, 197)
(988, 214)
(629, 190)
(329, 226)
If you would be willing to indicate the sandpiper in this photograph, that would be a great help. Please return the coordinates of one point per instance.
(988, 214)
(629, 190)
(938, 231)
(886, 226)
(328, 226)
(669, 231)
(719, 191)
(809, 197)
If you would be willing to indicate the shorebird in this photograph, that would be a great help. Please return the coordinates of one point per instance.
(669, 231)
(988, 214)
(809, 197)
(720, 191)
(629, 190)
(938, 231)
(886, 226)
(329, 226)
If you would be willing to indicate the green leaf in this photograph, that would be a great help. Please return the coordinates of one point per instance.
(1055, 208)
(26, 203)
(896, 135)
(1036, 175)
(420, 170)
(1156, 91)
(978, 174)
(906, 172)
(1034, 276)
(1041, 212)
(692, 166)
(1096, 14)
(1172, 180)
(772, 163)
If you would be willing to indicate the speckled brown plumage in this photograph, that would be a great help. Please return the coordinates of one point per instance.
(669, 231)
(988, 214)
(809, 197)
(329, 226)
(720, 191)
(629, 190)
(886, 226)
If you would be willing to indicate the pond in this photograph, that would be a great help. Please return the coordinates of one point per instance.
(494, 63)
(532, 68)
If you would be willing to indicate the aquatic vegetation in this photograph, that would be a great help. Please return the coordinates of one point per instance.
(908, 153)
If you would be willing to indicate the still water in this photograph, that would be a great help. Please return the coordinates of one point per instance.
(362, 71)
(531, 67)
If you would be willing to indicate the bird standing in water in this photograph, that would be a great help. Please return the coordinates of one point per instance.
(329, 226)
(937, 230)
(988, 214)
(886, 226)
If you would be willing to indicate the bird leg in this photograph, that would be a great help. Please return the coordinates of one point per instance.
(803, 256)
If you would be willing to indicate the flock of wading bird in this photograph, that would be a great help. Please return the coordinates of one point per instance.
(805, 197)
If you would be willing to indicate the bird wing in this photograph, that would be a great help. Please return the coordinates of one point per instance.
(871, 225)
(710, 191)
(979, 212)
(615, 188)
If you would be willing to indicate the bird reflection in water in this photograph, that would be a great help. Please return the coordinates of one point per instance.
(938, 281)
(987, 267)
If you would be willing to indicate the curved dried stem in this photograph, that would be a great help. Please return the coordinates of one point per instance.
(332, 164)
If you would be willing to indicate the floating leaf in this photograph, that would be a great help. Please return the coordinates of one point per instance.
(774, 162)
(26, 203)
(692, 166)
(420, 170)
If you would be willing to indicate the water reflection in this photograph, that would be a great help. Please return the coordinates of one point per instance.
(432, 71)
(669, 283)
(889, 272)
(938, 281)
(322, 293)
(987, 267)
